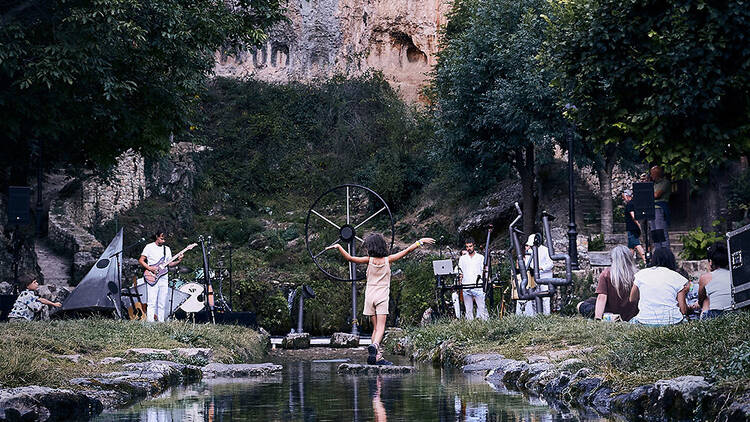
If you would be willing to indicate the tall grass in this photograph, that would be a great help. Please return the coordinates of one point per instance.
(627, 355)
(31, 350)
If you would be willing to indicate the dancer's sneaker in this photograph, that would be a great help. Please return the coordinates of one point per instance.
(383, 362)
(372, 352)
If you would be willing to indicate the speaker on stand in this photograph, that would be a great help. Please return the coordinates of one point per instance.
(18, 215)
(643, 203)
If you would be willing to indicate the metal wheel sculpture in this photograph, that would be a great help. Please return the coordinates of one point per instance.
(341, 215)
(344, 214)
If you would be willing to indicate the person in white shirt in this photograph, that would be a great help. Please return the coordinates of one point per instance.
(158, 293)
(471, 271)
(528, 307)
(660, 291)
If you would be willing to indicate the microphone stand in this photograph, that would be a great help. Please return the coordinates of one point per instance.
(118, 275)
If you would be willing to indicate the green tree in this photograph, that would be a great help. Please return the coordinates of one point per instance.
(673, 76)
(93, 78)
(493, 102)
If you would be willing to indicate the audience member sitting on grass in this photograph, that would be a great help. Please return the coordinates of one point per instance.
(28, 303)
(613, 289)
(714, 287)
(660, 291)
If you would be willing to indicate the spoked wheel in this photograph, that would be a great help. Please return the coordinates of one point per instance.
(345, 214)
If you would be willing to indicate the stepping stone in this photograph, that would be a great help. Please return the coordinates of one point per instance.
(239, 370)
(356, 369)
(343, 340)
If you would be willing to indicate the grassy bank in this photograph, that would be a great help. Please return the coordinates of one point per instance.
(31, 350)
(625, 354)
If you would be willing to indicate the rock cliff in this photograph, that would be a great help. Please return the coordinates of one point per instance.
(349, 37)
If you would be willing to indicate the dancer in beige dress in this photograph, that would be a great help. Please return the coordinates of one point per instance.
(378, 287)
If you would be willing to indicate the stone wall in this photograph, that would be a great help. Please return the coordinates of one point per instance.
(84, 204)
(349, 37)
(621, 179)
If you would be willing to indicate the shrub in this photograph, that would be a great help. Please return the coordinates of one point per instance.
(596, 243)
(695, 242)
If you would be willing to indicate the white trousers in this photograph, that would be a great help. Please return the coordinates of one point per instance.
(157, 300)
(472, 296)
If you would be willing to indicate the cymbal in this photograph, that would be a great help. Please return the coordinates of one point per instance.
(183, 269)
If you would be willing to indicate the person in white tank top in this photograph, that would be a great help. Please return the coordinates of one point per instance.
(715, 287)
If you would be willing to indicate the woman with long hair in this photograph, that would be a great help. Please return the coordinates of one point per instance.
(613, 288)
(660, 291)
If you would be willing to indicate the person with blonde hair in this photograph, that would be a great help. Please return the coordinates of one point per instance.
(613, 288)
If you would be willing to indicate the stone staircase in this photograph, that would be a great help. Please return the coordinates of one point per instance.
(56, 268)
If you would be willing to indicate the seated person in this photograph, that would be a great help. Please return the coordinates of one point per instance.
(660, 291)
(613, 289)
(715, 287)
(28, 303)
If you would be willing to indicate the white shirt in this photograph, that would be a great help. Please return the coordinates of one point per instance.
(545, 262)
(154, 253)
(471, 267)
(658, 288)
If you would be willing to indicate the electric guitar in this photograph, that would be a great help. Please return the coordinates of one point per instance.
(153, 277)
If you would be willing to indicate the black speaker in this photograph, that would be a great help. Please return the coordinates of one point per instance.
(18, 205)
(658, 236)
(643, 201)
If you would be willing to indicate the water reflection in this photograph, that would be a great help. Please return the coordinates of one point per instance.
(316, 392)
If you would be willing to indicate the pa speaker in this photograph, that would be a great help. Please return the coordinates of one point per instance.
(18, 205)
(643, 201)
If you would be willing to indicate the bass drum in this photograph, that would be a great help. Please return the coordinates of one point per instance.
(195, 302)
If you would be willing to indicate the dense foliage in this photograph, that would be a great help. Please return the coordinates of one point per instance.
(494, 104)
(673, 76)
(91, 79)
(297, 140)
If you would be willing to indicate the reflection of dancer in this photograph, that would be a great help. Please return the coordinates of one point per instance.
(378, 286)
(377, 405)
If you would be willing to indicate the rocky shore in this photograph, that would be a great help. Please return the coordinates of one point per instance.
(89, 396)
(568, 384)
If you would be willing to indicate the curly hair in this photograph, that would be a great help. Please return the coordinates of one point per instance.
(375, 246)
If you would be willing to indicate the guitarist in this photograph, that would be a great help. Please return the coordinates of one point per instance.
(158, 293)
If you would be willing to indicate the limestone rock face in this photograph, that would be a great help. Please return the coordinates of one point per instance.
(349, 37)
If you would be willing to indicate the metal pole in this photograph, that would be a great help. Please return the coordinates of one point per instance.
(39, 204)
(299, 311)
(353, 276)
(572, 232)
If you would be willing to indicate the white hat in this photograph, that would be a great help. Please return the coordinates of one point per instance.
(530, 241)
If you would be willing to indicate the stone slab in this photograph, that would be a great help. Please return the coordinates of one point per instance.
(358, 369)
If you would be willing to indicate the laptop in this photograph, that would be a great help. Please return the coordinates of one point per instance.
(442, 267)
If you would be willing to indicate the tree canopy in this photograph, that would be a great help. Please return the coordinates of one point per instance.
(494, 103)
(93, 78)
(673, 76)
